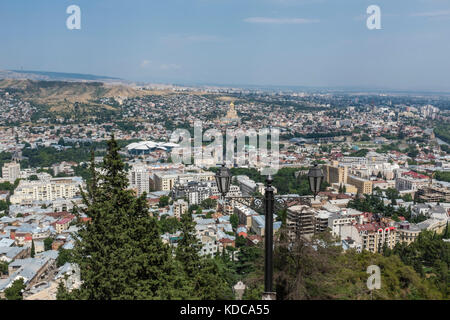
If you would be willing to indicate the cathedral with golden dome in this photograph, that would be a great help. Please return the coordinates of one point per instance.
(232, 116)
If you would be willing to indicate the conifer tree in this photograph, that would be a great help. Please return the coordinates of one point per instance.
(33, 249)
(203, 277)
(188, 247)
(120, 252)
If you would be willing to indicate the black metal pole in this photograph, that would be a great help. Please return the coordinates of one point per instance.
(268, 235)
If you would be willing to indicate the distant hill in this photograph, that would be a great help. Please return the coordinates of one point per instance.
(55, 76)
(53, 91)
(64, 98)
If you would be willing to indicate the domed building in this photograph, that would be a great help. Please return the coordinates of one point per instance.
(232, 116)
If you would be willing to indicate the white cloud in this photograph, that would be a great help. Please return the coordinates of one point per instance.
(145, 63)
(280, 20)
(170, 66)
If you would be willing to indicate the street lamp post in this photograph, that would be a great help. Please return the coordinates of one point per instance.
(315, 177)
(269, 202)
(223, 180)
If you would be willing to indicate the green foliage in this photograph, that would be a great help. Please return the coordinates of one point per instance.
(428, 254)
(64, 256)
(3, 205)
(208, 204)
(234, 220)
(15, 291)
(284, 180)
(62, 293)
(6, 186)
(120, 252)
(374, 203)
(193, 208)
(168, 224)
(442, 131)
(202, 274)
(392, 194)
(33, 178)
(163, 201)
(240, 241)
(33, 249)
(48, 244)
(46, 156)
(3, 267)
(445, 148)
(407, 198)
(442, 176)
(360, 153)
(317, 269)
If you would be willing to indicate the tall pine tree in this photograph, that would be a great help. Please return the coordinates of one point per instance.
(204, 278)
(119, 251)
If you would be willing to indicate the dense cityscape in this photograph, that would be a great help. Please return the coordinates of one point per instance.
(229, 158)
(384, 199)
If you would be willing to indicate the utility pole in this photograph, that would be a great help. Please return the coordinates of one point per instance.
(268, 235)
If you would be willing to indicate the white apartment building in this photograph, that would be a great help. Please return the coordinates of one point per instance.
(11, 171)
(249, 187)
(411, 181)
(139, 179)
(47, 190)
(209, 246)
(165, 182)
(180, 207)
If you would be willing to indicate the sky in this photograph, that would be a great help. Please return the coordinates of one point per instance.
(313, 43)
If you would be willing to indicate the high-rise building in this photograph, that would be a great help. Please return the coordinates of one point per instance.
(335, 173)
(139, 179)
(11, 171)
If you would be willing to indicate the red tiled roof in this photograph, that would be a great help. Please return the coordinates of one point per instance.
(226, 240)
(415, 175)
(64, 221)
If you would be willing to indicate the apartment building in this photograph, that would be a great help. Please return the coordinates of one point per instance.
(180, 207)
(63, 167)
(371, 236)
(345, 217)
(407, 232)
(434, 193)
(47, 190)
(245, 215)
(11, 172)
(139, 179)
(362, 185)
(335, 173)
(249, 187)
(194, 191)
(300, 221)
(164, 181)
(411, 181)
